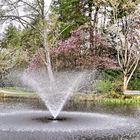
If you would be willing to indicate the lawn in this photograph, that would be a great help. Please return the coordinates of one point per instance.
(15, 92)
(100, 99)
(109, 100)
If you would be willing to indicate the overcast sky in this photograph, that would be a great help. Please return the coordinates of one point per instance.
(3, 26)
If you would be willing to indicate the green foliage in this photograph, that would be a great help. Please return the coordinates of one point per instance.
(134, 83)
(30, 39)
(70, 13)
(15, 92)
(108, 101)
(9, 60)
(113, 94)
(112, 74)
(122, 7)
(115, 79)
(104, 86)
(126, 7)
(12, 37)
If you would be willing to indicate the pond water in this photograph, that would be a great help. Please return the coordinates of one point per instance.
(24, 119)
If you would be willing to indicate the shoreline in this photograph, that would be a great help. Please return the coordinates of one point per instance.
(79, 97)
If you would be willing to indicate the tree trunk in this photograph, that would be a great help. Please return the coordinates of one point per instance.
(125, 83)
(90, 6)
(95, 30)
(48, 58)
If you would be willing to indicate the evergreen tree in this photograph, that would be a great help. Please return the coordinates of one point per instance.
(11, 38)
(70, 13)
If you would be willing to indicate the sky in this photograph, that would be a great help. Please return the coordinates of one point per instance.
(3, 26)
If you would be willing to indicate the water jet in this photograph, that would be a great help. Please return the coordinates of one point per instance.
(57, 93)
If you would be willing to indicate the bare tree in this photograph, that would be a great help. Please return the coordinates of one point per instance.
(125, 36)
(25, 12)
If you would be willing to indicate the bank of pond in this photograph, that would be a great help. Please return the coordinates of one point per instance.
(108, 98)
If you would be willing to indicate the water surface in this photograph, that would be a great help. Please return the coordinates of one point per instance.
(102, 114)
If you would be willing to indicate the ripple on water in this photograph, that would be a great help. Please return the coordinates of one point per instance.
(69, 124)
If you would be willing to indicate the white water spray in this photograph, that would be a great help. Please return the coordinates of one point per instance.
(57, 93)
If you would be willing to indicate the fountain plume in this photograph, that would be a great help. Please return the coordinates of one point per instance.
(57, 93)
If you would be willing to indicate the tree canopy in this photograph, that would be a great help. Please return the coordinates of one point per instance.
(74, 33)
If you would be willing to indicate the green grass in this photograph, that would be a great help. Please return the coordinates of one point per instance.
(111, 101)
(102, 99)
(15, 92)
(99, 99)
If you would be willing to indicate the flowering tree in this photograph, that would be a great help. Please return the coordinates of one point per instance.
(74, 52)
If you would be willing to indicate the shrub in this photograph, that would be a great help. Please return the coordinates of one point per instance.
(104, 86)
(116, 77)
(112, 79)
(134, 83)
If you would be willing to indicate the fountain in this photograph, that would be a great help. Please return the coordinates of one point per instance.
(55, 89)
(65, 125)
(56, 93)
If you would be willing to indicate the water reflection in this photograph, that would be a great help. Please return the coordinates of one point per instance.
(89, 106)
(11, 104)
(15, 104)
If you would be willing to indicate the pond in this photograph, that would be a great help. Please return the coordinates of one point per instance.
(25, 119)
